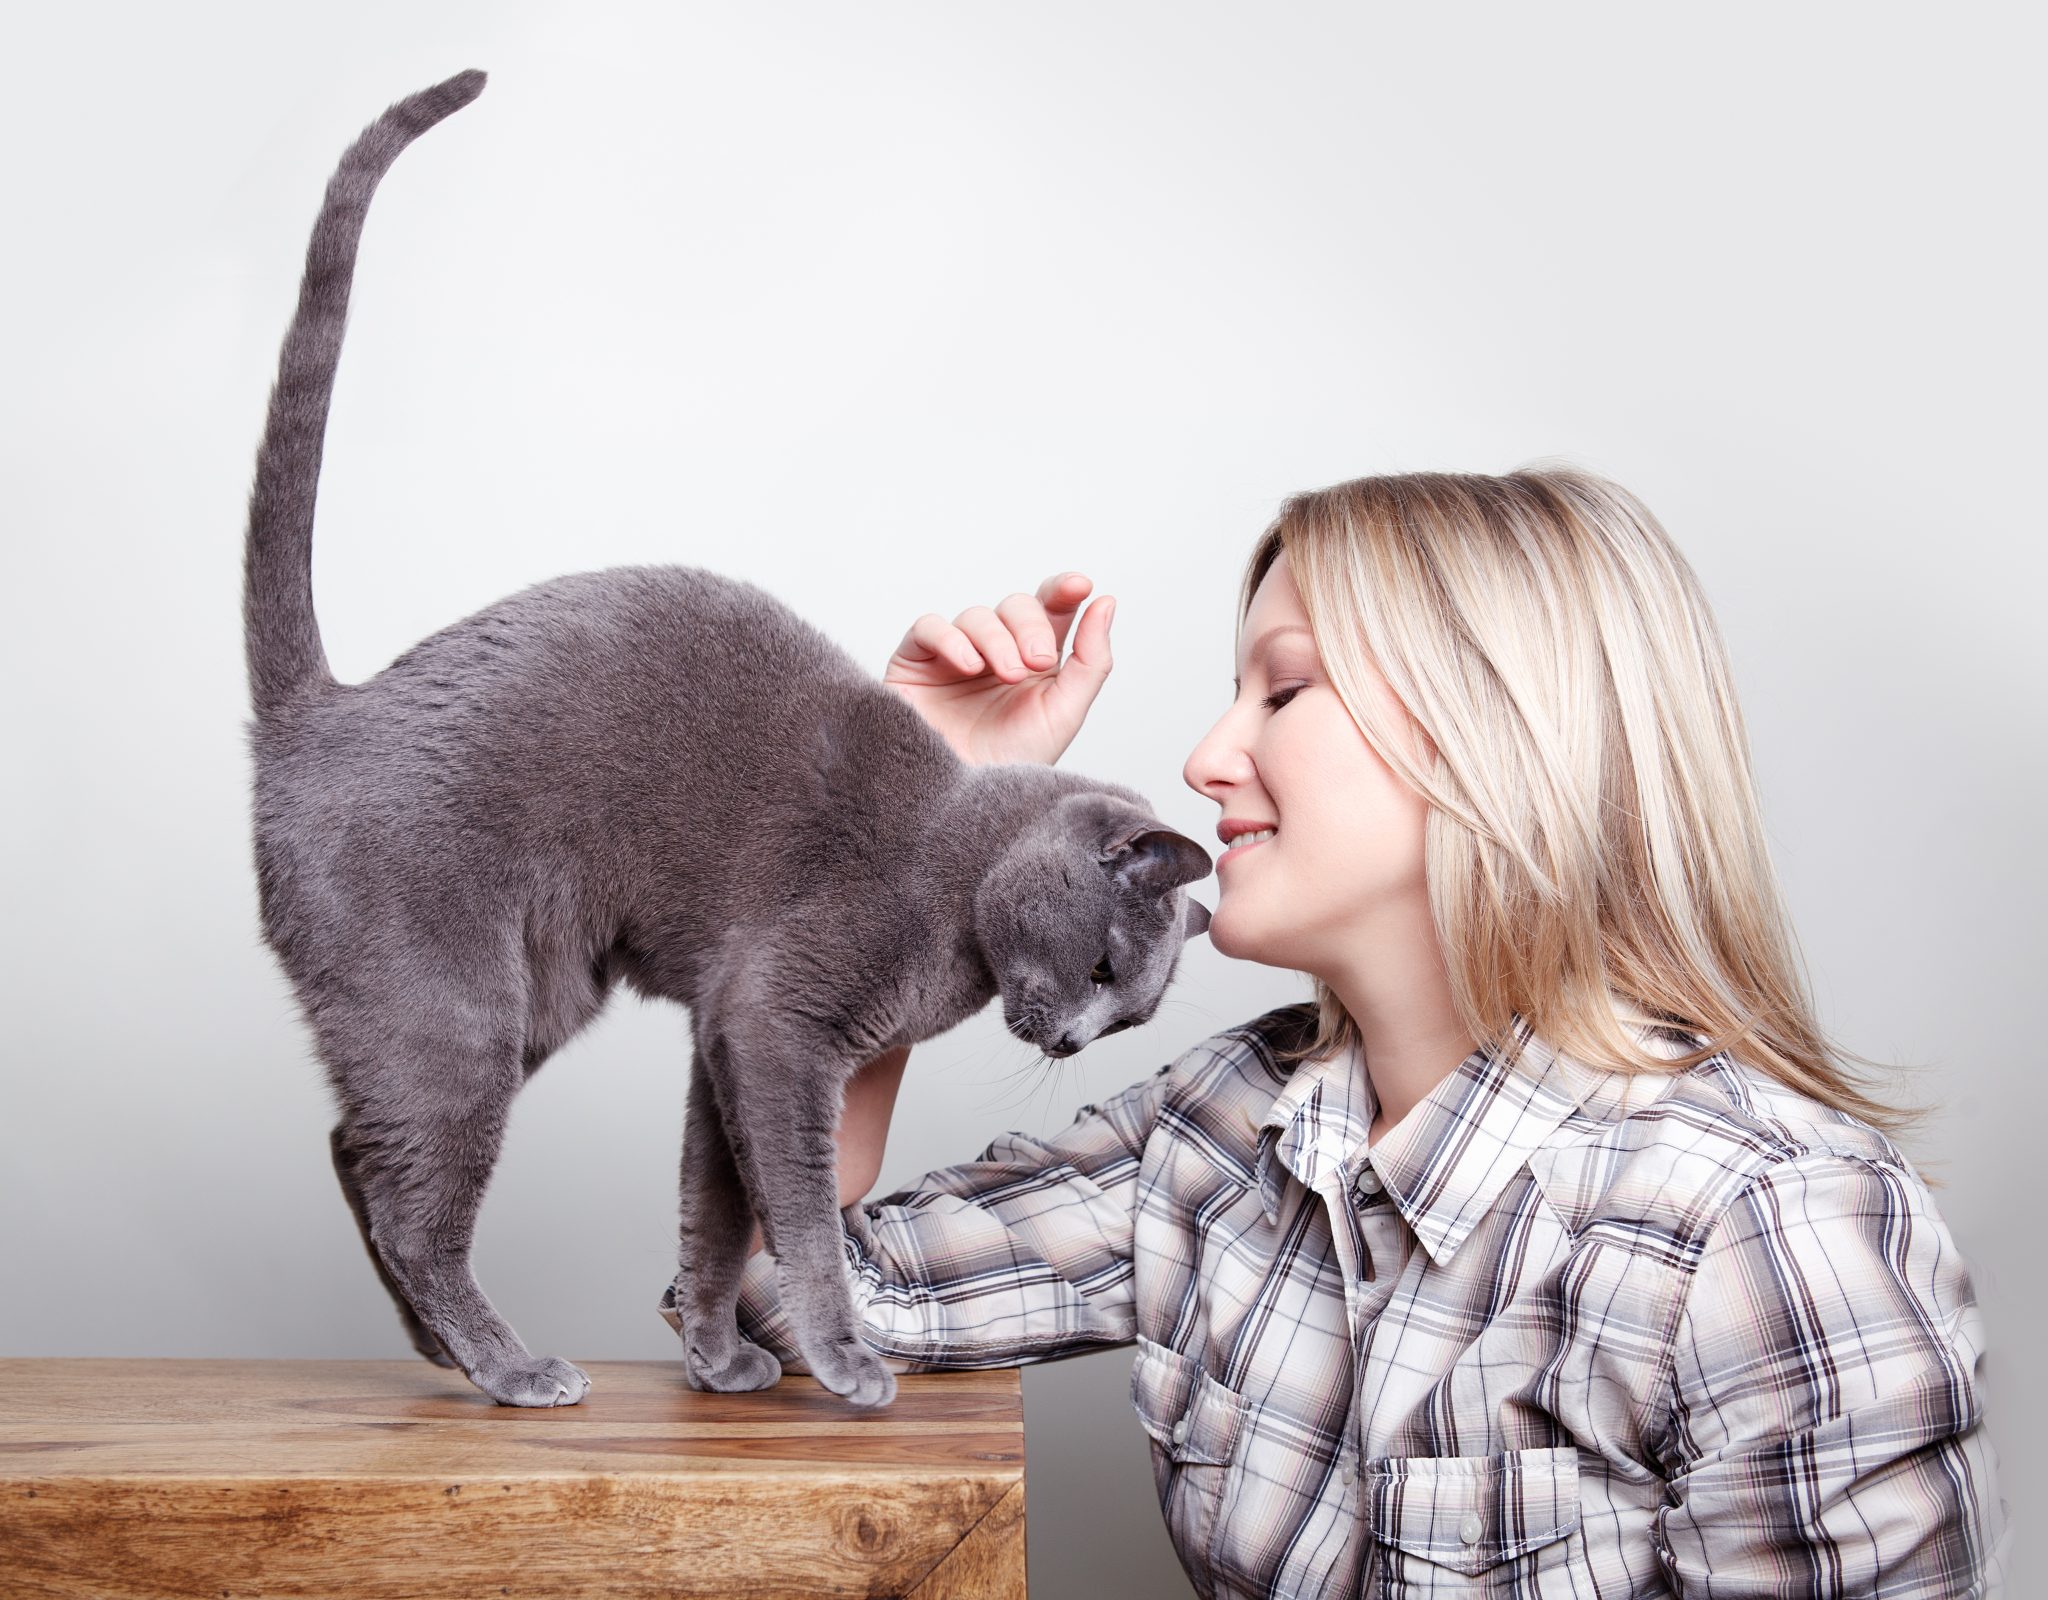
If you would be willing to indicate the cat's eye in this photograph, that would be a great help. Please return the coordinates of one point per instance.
(1102, 974)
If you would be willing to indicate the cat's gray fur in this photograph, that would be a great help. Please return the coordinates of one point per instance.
(661, 777)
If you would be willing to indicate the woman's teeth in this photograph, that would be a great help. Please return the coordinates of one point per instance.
(1244, 839)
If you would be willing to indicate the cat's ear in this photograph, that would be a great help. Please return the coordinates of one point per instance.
(1155, 860)
(1196, 921)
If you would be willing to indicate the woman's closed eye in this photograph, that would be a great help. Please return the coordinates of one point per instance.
(1280, 697)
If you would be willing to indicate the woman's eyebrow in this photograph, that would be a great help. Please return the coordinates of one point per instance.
(1259, 644)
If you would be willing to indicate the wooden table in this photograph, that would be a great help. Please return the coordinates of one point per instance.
(396, 1478)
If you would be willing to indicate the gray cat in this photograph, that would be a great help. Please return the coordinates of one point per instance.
(661, 777)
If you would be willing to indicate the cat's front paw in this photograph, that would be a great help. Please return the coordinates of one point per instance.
(854, 1372)
(744, 1367)
(535, 1381)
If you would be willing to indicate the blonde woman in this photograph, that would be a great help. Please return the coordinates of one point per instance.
(1550, 1249)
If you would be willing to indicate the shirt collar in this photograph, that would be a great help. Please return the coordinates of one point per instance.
(1317, 1126)
(1447, 1161)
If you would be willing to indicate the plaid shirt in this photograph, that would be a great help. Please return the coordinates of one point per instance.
(1560, 1332)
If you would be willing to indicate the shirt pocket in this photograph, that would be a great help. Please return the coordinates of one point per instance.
(1504, 1524)
(1194, 1422)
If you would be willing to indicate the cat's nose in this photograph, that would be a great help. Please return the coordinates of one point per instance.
(1065, 1047)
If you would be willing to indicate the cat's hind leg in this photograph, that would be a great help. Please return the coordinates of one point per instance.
(712, 1250)
(422, 1133)
(422, 1336)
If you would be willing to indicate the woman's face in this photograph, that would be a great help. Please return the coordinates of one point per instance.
(1348, 854)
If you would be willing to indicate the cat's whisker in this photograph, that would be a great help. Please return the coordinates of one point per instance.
(1042, 1071)
(1031, 1075)
(1197, 1008)
(1055, 1076)
(998, 1083)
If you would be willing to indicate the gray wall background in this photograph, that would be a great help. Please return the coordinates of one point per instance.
(902, 307)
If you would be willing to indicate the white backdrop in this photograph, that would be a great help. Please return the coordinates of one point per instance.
(901, 307)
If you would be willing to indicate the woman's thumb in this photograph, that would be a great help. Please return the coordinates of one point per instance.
(1087, 665)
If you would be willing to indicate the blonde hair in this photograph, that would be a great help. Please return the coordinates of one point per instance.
(1595, 850)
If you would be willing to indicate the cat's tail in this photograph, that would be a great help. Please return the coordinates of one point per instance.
(286, 657)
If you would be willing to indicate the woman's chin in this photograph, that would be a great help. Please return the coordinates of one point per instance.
(1241, 937)
(1231, 934)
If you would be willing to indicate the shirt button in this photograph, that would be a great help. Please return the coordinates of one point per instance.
(1348, 1473)
(1367, 1182)
(1180, 1431)
(1471, 1528)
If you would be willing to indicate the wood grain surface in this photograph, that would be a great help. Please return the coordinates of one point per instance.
(397, 1478)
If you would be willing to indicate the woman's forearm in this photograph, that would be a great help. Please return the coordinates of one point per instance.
(864, 1124)
(864, 1127)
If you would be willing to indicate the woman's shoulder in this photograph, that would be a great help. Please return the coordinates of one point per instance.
(1748, 1121)
(1676, 1158)
(1255, 1057)
(1213, 1095)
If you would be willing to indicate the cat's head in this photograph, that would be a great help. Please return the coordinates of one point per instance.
(1083, 917)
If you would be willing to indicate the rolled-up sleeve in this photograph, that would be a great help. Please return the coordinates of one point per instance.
(1825, 1435)
(1020, 1255)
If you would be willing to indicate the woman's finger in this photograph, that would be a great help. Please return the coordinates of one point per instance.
(994, 640)
(1025, 618)
(1088, 664)
(933, 638)
(1061, 595)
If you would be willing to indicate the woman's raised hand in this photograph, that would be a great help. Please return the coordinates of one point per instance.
(991, 681)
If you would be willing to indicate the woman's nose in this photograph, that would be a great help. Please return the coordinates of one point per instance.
(1218, 762)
